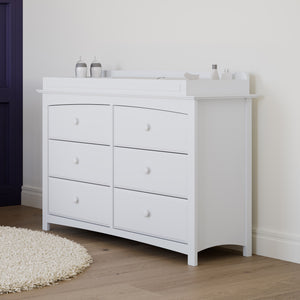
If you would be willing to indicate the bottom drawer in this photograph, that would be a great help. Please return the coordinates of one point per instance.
(149, 214)
(80, 201)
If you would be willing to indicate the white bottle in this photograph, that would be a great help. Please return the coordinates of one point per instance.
(226, 75)
(81, 69)
(96, 68)
(214, 75)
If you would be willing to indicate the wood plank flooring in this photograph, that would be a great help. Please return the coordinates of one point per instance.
(124, 269)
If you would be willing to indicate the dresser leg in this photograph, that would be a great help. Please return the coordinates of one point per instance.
(247, 251)
(193, 259)
(46, 226)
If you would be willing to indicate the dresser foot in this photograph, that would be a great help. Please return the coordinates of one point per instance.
(193, 259)
(247, 251)
(46, 226)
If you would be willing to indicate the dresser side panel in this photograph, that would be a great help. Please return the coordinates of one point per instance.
(221, 180)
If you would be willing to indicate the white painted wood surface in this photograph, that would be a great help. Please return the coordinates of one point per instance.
(74, 123)
(80, 201)
(159, 216)
(151, 171)
(196, 161)
(221, 165)
(151, 129)
(79, 161)
(155, 86)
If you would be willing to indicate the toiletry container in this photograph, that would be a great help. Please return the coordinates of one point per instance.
(226, 75)
(214, 73)
(96, 69)
(81, 69)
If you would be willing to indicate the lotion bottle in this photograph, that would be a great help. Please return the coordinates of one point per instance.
(214, 73)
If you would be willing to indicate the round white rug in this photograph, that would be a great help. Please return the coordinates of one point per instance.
(30, 259)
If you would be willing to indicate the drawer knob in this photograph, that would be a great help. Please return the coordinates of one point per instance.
(76, 200)
(76, 121)
(147, 127)
(76, 160)
(147, 170)
(147, 213)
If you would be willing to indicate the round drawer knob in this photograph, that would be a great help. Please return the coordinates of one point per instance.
(147, 170)
(76, 121)
(76, 200)
(76, 160)
(147, 213)
(147, 127)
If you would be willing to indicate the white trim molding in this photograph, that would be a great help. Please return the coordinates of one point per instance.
(276, 244)
(31, 196)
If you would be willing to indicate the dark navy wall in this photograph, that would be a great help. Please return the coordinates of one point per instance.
(10, 102)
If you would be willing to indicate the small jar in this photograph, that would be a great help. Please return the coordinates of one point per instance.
(81, 69)
(96, 69)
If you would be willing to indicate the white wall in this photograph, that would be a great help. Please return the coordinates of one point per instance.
(257, 36)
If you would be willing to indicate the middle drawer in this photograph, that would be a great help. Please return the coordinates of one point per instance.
(151, 171)
(82, 162)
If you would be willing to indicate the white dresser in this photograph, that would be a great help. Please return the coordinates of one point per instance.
(161, 161)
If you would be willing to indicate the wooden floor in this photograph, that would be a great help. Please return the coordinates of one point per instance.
(124, 269)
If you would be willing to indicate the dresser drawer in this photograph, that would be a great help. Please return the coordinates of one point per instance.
(151, 171)
(82, 162)
(151, 129)
(80, 201)
(82, 123)
(160, 216)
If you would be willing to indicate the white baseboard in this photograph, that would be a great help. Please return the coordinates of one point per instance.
(31, 196)
(277, 245)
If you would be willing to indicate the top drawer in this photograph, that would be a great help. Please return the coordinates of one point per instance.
(151, 129)
(80, 123)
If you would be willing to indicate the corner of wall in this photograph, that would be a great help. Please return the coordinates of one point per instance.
(31, 196)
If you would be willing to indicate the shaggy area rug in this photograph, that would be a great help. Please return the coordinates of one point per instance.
(30, 259)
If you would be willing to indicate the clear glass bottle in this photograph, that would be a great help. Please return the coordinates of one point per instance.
(81, 69)
(96, 68)
(214, 75)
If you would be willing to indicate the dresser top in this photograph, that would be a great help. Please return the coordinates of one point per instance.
(160, 86)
